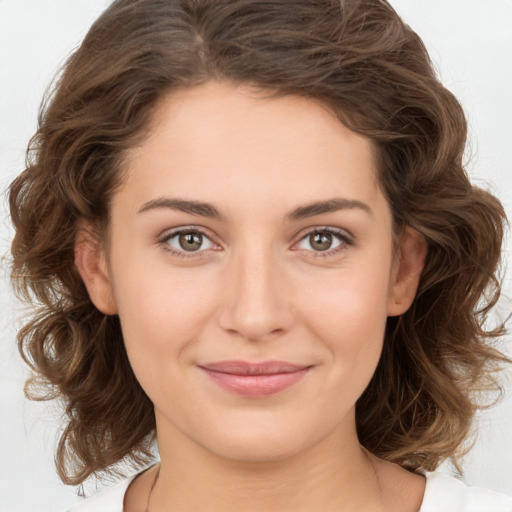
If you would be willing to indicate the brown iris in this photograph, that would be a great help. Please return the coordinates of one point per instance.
(320, 241)
(190, 241)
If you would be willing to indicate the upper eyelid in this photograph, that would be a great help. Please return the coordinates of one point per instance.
(169, 233)
(342, 233)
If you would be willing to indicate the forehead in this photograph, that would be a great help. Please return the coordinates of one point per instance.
(235, 106)
(219, 137)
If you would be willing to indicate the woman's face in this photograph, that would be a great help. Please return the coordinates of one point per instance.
(252, 266)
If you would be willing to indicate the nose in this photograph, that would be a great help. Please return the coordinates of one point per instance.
(256, 302)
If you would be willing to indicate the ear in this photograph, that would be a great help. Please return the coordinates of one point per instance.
(406, 273)
(91, 263)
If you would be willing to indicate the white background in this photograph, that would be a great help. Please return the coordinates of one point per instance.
(470, 42)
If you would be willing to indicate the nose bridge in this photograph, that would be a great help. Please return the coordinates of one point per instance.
(255, 303)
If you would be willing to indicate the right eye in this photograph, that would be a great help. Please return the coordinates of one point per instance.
(186, 241)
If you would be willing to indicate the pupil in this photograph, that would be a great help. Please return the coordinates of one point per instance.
(190, 241)
(321, 241)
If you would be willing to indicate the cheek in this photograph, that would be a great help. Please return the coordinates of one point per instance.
(351, 303)
(348, 312)
(161, 314)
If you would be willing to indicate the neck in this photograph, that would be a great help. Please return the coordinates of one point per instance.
(335, 474)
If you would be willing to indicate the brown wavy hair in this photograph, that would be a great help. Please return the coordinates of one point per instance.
(373, 72)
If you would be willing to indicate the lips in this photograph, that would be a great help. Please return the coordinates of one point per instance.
(254, 379)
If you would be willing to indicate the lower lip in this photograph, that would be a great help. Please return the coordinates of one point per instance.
(256, 385)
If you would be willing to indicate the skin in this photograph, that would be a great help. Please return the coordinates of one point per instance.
(256, 289)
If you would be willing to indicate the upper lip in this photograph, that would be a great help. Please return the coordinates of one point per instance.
(247, 368)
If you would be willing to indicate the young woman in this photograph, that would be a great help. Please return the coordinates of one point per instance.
(251, 238)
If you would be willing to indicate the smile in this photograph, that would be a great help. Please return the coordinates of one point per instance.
(254, 379)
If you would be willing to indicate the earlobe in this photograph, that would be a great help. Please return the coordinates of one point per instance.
(405, 278)
(91, 263)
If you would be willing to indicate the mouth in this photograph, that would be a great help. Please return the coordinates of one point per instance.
(254, 379)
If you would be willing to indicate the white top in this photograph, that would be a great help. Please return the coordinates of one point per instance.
(443, 493)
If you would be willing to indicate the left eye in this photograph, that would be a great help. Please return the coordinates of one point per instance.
(321, 241)
(189, 241)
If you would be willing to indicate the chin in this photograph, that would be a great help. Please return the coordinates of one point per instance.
(258, 450)
(253, 443)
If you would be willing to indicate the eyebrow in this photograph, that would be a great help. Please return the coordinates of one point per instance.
(209, 211)
(183, 205)
(328, 206)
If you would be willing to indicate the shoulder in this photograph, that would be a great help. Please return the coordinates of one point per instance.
(108, 500)
(444, 493)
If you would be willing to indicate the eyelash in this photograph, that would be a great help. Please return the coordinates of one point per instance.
(345, 239)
